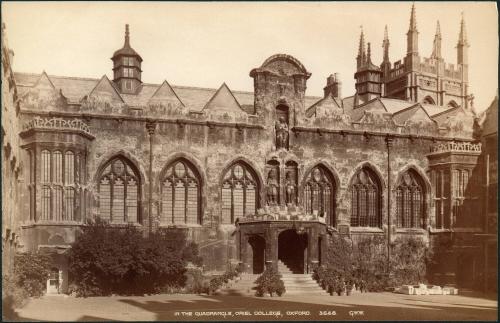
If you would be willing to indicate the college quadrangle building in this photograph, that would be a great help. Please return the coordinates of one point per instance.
(256, 178)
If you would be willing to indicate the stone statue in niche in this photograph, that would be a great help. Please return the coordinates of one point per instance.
(281, 133)
(272, 187)
(290, 188)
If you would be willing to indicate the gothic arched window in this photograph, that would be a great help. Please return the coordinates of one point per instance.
(410, 201)
(319, 194)
(366, 199)
(239, 193)
(180, 194)
(119, 192)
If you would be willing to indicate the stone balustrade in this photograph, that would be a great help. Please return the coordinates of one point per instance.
(57, 123)
(465, 147)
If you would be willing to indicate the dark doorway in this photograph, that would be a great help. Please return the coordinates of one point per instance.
(320, 241)
(291, 250)
(466, 271)
(258, 245)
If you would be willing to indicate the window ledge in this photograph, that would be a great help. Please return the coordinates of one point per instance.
(365, 230)
(410, 230)
(180, 225)
(51, 223)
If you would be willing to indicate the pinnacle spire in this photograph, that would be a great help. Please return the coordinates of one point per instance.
(127, 36)
(413, 19)
(361, 59)
(436, 48)
(385, 45)
(462, 38)
(369, 55)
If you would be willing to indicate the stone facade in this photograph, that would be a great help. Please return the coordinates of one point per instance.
(245, 174)
(11, 160)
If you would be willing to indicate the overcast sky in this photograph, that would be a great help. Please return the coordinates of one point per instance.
(206, 43)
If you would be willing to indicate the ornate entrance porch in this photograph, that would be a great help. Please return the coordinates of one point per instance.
(298, 244)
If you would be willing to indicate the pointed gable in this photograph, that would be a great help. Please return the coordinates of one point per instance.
(325, 107)
(165, 95)
(414, 114)
(105, 91)
(223, 100)
(44, 83)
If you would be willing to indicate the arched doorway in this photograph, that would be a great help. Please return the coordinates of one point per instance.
(258, 245)
(292, 248)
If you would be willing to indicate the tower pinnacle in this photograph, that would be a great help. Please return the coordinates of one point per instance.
(436, 49)
(361, 59)
(127, 36)
(385, 45)
(412, 34)
(462, 38)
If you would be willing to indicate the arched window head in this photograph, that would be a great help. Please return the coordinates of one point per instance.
(410, 201)
(453, 104)
(119, 192)
(366, 199)
(239, 192)
(428, 100)
(180, 194)
(319, 194)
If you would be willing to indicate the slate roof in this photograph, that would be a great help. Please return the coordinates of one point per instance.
(194, 98)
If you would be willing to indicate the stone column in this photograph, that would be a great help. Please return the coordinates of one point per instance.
(312, 246)
(271, 252)
(243, 261)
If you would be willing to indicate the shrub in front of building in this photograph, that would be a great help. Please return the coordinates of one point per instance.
(410, 258)
(31, 270)
(270, 282)
(106, 260)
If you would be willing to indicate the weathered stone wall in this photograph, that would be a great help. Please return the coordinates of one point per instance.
(11, 160)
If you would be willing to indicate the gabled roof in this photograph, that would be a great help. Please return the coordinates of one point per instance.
(105, 89)
(165, 93)
(44, 83)
(193, 98)
(328, 103)
(223, 99)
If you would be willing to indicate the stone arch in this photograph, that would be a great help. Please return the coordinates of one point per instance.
(383, 191)
(284, 57)
(197, 169)
(428, 100)
(251, 167)
(135, 167)
(333, 177)
(427, 186)
(123, 154)
(453, 104)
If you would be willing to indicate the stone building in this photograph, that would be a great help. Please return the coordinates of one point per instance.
(248, 174)
(11, 160)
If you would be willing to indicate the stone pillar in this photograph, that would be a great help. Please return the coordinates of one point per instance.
(271, 253)
(243, 261)
(312, 246)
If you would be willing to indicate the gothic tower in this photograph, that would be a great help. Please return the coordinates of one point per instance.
(368, 76)
(386, 62)
(127, 67)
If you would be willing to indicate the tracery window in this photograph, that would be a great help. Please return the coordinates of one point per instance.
(119, 192)
(58, 185)
(442, 190)
(410, 201)
(239, 193)
(180, 194)
(319, 194)
(365, 199)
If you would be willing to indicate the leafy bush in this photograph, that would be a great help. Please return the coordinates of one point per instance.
(106, 260)
(270, 282)
(409, 259)
(218, 281)
(31, 271)
(196, 283)
(12, 297)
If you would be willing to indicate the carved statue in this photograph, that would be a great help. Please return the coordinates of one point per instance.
(290, 188)
(272, 187)
(281, 133)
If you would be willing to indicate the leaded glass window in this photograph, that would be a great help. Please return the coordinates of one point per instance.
(119, 192)
(366, 199)
(409, 201)
(239, 193)
(180, 194)
(319, 196)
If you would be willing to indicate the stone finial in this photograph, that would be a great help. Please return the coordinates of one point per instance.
(127, 36)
